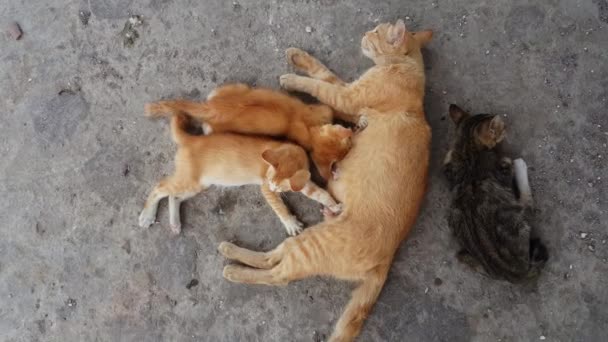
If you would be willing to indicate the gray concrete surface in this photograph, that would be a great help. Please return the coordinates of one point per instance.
(78, 158)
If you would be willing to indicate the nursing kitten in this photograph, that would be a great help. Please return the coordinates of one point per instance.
(382, 179)
(490, 219)
(231, 160)
(238, 108)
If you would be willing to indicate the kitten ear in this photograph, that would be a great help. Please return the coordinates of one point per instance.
(299, 180)
(271, 157)
(423, 37)
(343, 132)
(396, 33)
(457, 114)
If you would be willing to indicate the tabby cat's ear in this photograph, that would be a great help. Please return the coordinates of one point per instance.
(457, 114)
(396, 33)
(299, 180)
(271, 157)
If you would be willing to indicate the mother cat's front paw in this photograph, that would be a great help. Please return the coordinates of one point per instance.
(299, 59)
(289, 81)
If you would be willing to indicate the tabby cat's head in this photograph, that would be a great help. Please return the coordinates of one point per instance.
(388, 40)
(474, 133)
(288, 169)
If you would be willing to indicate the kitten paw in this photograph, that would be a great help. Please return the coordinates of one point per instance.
(361, 124)
(327, 213)
(293, 227)
(288, 81)
(175, 228)
(335, 208)
(335, 174)
(145, 219)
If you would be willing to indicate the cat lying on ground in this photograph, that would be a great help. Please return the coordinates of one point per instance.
(489, 219)
(382, 179)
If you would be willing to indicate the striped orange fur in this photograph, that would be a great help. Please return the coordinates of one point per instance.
(382, 180)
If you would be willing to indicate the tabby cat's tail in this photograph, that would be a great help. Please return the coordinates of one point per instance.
(538, 257)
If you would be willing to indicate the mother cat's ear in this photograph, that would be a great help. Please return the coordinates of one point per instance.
(457, 114)
(423, 37)
(396, 33)
(299, 180)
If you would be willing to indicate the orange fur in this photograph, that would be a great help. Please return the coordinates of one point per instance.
(231, 160)
(382, 179)
(238, 108)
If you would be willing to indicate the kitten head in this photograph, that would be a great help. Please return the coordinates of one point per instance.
(288, 169)
(330, 145)
(393, 40)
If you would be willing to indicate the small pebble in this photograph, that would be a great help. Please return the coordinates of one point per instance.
(426, 290)
(15, 31)
(583, 235)
(542, 337)
(591, 248)
(487, 52)
(444, 92)
(308, 29)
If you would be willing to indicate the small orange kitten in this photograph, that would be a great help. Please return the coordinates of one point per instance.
(238, 108)
(232, 160)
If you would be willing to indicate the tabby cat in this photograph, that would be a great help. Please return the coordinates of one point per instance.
(491, 201)
(382, 179)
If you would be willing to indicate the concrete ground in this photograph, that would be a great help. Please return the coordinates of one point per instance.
(78, 159)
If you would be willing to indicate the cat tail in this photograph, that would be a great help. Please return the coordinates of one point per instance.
(358, 308)
(165, 108)
(179, 129)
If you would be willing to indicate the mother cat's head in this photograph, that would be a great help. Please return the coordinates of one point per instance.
(388, 43)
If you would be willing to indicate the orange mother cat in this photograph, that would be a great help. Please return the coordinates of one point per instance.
(239, 108)
(382, 180)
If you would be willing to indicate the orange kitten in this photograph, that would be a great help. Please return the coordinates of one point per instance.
(239, 108)
(382, 179)
(232, 160)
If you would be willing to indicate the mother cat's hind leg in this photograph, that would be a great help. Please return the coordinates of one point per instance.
(264, 260)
